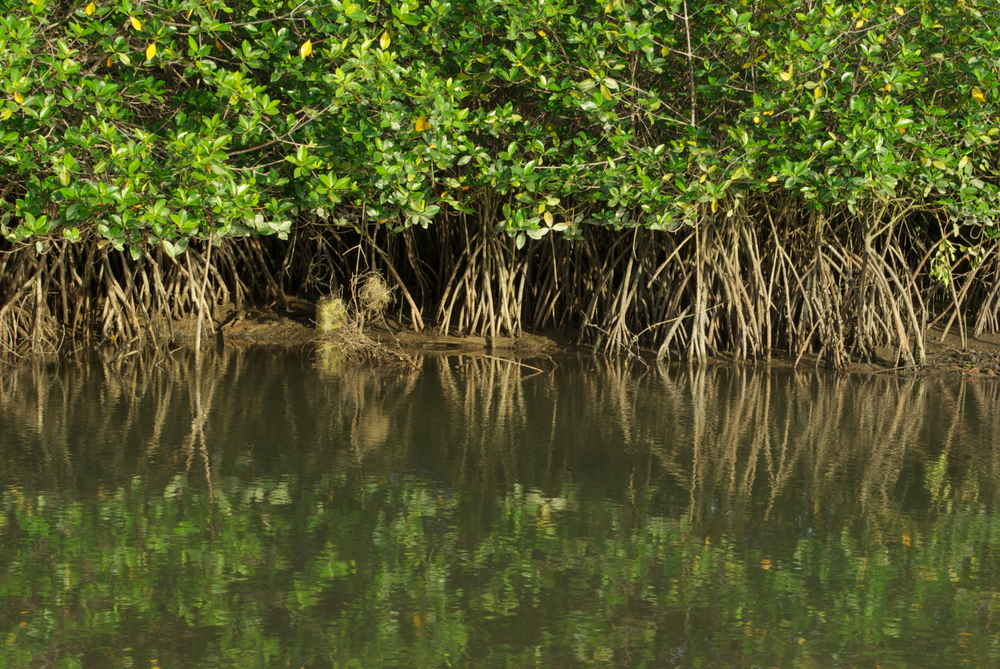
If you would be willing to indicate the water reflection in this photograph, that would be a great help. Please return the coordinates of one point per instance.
(265, 510)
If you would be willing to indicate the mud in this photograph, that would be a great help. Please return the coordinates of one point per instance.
(291, 325)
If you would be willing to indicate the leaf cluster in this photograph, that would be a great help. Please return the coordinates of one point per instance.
(162, 123)
(374, 573)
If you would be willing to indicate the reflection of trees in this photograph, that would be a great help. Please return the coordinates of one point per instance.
(86, 424)
(398, 573)
(816, 444)
(757, 446)
(605, 513)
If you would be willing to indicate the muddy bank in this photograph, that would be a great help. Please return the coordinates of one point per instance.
(293, 326)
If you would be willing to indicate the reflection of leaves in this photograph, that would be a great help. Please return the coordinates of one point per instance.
(937, 479)
(385, 563)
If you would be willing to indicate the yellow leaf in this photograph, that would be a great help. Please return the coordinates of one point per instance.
(188, 15)
(785, 76)
(756, 119)
(91, 8)
(109, 61)
(772, 179)
(860, 23)
(769, 112)
(938, 164)
(888, 87)
(218, 45)
(151, 51)
(18, 98)
(5, 114)
(899, 10)
(606, 92)
(306, 48)
(978, 94)
(384, 41)
(135, 23)
(421, 124)
(817, 92)
(541, 33)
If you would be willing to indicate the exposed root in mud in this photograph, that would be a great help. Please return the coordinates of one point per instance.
(353, 346)
(769, 276)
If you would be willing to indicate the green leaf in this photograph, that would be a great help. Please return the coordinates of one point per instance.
(175, 249)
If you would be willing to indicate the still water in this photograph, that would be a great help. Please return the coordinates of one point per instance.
(271, 510)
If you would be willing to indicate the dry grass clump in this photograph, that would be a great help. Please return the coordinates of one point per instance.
(370, 297)
(373, 297)
(357, 347)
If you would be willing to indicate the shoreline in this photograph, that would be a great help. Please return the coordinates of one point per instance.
(294, 328)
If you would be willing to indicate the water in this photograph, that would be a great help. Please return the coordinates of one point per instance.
(276, 510)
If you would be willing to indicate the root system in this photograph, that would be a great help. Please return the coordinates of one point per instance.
(769, 276)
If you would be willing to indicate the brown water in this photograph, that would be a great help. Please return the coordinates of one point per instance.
(273, 510)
